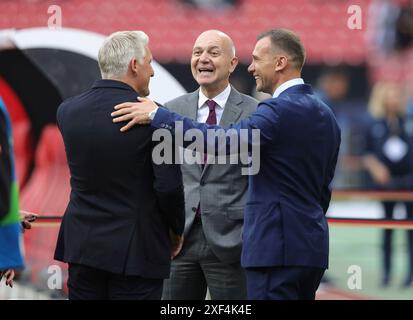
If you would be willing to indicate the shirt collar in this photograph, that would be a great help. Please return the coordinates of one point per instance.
(220, 99)
(286, 85)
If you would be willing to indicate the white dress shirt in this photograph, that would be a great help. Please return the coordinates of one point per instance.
(220, 100)
(286, 85)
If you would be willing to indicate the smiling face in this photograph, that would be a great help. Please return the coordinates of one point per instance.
(213, 61)
(263, 66)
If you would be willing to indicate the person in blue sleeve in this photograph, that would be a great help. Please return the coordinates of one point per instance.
(11, 256)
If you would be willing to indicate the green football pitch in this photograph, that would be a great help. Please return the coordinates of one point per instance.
(362, 247)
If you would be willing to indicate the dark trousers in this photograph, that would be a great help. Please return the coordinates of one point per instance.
(197, 268)
(283, 283)
(387, 240)
(86, 283)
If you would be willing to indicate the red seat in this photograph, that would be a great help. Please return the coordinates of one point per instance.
(174, 24)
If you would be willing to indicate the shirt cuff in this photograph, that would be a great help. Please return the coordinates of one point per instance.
(151, 114)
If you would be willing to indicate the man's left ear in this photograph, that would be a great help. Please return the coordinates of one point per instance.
(234, 63)
(134, 65)
(281, 63)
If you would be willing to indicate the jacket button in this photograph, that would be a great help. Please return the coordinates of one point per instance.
(193, 209)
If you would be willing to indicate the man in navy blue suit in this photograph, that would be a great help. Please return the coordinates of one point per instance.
(285, 239)
(126, 214)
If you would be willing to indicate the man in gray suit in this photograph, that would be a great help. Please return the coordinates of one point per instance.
(214, 193)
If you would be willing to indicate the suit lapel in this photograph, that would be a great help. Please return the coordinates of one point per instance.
(232, 113)
(232, 110)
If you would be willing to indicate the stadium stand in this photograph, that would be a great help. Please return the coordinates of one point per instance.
(323, 26)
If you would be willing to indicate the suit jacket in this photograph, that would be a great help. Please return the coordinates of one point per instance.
(285, 222)
(219, 188)
(121, 204)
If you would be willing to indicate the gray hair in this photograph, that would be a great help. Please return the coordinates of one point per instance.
(118, 50)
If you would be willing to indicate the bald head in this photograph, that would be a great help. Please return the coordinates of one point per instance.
(219, 37)
(213, 60)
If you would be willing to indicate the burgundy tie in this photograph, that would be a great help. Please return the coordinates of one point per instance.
(212, 119)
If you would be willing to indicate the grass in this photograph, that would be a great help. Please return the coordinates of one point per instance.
(361, 246)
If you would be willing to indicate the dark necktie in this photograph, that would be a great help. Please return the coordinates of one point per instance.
(212, 119)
